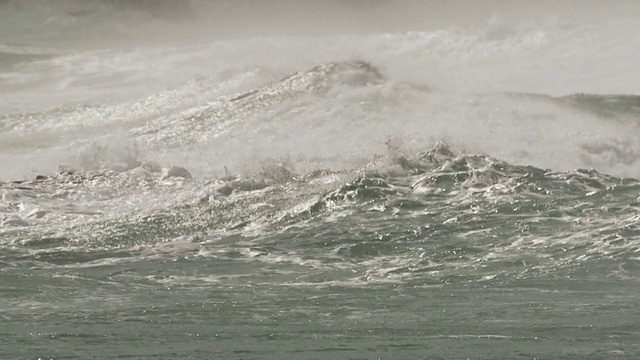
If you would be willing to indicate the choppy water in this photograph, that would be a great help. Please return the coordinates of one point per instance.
(466, 191)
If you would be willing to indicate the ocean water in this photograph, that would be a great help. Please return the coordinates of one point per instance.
(287, 180)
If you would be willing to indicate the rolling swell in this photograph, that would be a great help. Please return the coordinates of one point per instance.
(602, 105)
(428, 218)
(222, 114)
(9, 59)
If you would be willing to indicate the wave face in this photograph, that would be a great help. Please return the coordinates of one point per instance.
(364, 191)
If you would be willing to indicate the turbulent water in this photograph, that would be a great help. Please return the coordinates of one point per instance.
(362, 187)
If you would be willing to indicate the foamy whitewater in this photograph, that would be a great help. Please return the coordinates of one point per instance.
(337, 180)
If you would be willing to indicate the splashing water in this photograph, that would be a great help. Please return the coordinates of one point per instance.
(466, 188)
